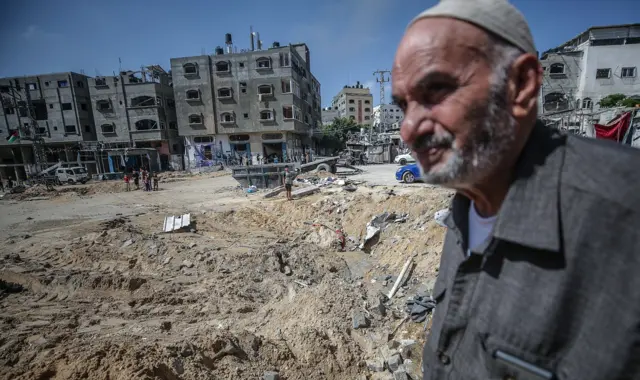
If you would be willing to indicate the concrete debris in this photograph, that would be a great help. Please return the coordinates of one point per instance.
(360, 320)
(375, 365)
(177, 223)
(400, 374)
(274, 192)
(394, 362)
(305, 191)
(127, 243)
(410, 349)
(270, 375)
(187, 264)
(441, 216)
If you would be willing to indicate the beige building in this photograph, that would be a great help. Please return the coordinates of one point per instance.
(355, 102)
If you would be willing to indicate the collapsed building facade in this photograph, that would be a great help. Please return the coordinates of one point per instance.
(53, 108)
(135, 118)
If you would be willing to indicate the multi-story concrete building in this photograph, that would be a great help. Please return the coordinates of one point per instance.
(248, 103)
(62, 108)
(135, 117)
(577, 74)
(329, 114)
(385, 115)
(355, 102)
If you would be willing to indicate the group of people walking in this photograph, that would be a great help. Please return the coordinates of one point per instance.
(147, 177)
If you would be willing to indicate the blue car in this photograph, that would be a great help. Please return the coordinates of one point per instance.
(408, 173)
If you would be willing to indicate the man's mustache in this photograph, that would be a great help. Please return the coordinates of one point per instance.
(430, 140)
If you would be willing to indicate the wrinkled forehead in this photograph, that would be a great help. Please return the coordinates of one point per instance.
(442, 43)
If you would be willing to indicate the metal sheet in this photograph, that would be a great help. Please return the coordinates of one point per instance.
(176, 222)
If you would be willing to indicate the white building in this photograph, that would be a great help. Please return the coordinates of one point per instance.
(599, 62)
(386, 115)
(329, 114)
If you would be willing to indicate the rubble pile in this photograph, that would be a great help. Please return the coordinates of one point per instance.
(261, 289)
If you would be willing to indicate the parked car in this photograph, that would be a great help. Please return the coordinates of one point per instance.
(404, 159)
(408, 173)
(76, 174)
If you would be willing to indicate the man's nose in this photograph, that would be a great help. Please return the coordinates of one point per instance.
(416, 123)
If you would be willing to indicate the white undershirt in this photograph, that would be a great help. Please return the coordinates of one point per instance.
(479, 227)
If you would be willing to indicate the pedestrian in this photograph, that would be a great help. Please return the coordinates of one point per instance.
(127, 184)
(155, 181)
(287, 181)
(538, 276)
(147, 182)
(143, 175)
(136, 179)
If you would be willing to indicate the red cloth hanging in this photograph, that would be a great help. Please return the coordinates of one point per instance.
(615, 129)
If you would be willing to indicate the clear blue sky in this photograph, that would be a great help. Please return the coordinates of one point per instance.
(349, 39)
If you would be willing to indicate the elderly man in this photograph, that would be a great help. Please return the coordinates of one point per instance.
(540, 270)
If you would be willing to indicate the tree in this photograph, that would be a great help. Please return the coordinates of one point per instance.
(335, 135)
(618, 100)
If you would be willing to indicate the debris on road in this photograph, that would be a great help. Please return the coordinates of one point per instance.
(177, 223)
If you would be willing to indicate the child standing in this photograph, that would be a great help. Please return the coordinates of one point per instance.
(127, 184)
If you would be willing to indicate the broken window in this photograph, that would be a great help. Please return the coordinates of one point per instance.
(103, 105)
(587, 103)
(287, 112)
(263, 63)
(108, 128)
(222, 67)
(101, 82)
(203, 139)
(367, 110)
(143, 101)
(66, 107)
(367, 102)
(367, 117)
(265, 89)
(285, 59)
(193, 95)
(63, 83)
(246, 115)
(603, 73)
(146, 124)
(351, 101)
(266, 115)
(190, 69)
(227, 117)
(171, 103)
(69, 129)
(83, 106)
(195, 119)
(286, 86)
(556, 68)
(224, 93)
(628, 72)
(9, 110)
(555, 101)
(87, 128)
(80, 84)
(41, 130)
(173, 125)
(4, 89)
(31, 86)
(352, 109)
(207, 153)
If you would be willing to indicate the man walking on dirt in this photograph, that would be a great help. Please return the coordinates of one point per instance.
(287, 181)
(538, 277)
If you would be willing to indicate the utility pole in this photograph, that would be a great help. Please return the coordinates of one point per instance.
(380, 78)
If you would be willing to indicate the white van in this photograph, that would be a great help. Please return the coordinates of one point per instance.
(76, 174)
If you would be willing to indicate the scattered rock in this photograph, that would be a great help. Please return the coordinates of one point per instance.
(165, 326)
(360, 320)
(287, 270)
(127, 243)
(394, 362)
(187, 264)
(167, 260)
(410, 349)
(192, 245)
(400, 375)
(271, 375)
(375, 365)
(178, 366)
(199, 257)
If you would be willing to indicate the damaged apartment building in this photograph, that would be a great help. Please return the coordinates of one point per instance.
(135, 117)
(61, 107)
(577, 74)
(255, 102)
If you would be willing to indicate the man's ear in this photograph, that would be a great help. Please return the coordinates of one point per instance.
(525, 82)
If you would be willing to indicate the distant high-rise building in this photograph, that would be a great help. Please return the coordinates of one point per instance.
(386, 115)
(354, 102)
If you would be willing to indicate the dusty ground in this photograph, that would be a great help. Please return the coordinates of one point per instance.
(258, 285)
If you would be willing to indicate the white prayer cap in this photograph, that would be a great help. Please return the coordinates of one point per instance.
(496, 16)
